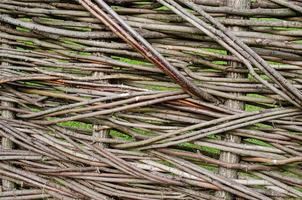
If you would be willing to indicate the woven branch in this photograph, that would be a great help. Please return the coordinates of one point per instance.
(139, 99)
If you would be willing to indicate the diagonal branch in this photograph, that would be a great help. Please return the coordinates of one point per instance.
(125, 32)
(226, 39)
(288, 4)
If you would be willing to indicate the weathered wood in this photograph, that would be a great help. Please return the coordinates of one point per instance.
(92, 118)
(100, 131)
(7, 143)
(229, 157)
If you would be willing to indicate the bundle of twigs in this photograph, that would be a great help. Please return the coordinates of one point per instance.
(139, 99)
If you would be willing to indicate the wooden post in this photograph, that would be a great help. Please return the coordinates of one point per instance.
(5, 142)
(100, 131)
(228, 156)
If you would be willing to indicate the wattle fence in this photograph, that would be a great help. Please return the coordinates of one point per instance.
(151, 99)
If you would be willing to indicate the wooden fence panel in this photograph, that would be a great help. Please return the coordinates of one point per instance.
(151, 99)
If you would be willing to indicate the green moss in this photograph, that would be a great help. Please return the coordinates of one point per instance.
(160, 88)
(251, 108)
(130, 61)
(116, 134)
(21, 29)
(255, 95)
(82, 53)
(24, 19)
(219, 51)
(220, 62)
(266, 19)
(257, 142)
(218, 137)
(70, 42)
(210, 168)
(201, 148)
(28, 43)
(76, 124)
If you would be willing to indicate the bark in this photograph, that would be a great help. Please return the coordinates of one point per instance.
(100, 131)
(225, 156)
(7, 143)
